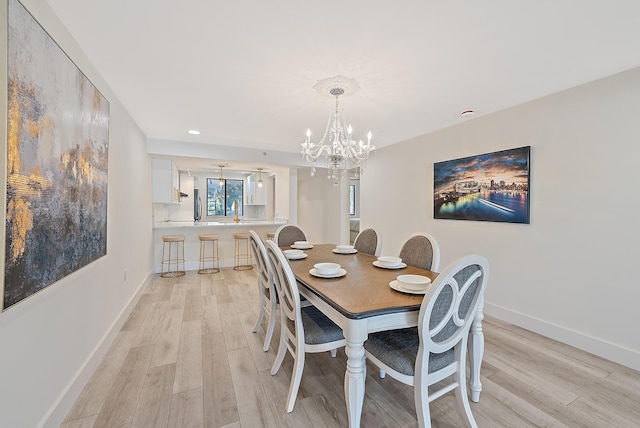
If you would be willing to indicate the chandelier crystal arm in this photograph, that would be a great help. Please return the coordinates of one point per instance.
(358, 155)
(311, 153)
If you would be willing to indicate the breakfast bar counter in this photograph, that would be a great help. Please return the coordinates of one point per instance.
(191, 230)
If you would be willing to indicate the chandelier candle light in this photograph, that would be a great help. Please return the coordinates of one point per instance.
(337, 145)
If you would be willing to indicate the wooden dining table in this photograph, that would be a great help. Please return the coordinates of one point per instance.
(362, 302)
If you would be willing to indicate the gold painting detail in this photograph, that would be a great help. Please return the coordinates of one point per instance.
(18, 213)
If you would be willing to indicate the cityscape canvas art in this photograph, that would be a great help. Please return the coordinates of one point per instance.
(57, 136)
(488, 187)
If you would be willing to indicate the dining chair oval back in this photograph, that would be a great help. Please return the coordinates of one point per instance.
(421, 250)
(368, 241)
(437, 349)
(266, 288)
(287, 234)
(303, 329)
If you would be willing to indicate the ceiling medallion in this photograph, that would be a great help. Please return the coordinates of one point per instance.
(348, 85)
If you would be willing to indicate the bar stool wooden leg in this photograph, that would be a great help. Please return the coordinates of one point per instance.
(243, 258)
(175, 243)
(213, 258)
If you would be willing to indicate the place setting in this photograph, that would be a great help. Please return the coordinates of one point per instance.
(295, 254)
(327, 270)
(302, 245)
(411, 284)
(389, 262)
(344, 249)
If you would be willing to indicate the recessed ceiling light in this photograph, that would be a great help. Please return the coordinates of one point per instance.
(468, 113)
(194, 132)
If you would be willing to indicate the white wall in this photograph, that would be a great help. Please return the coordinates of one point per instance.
(319, 207)
(51, 342)
(270, 199)
(286, 194)
(572, 273)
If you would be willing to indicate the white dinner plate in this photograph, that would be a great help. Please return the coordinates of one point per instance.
(300, 257)
(302, 247)
(340, 273)
(376, 263)
(396, 286)
(337, 251)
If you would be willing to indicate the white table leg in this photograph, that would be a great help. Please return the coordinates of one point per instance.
(476, 351)
(355, 333)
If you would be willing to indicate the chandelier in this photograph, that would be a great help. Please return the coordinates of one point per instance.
(340, 151)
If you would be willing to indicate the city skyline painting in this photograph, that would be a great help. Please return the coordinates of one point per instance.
(488, 187)
(57, 137)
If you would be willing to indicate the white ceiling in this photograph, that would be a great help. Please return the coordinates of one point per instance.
(242, 72)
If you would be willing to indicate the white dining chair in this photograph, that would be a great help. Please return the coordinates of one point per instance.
(421, 250)
(368, 241)
(267, 293)
(303, 329)
(436, 350)
(287, 234)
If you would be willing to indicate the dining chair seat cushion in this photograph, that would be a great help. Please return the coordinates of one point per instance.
(318, 328)
(398, 349)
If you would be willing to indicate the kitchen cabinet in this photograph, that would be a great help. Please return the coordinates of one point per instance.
(165, 180)
(255, 193)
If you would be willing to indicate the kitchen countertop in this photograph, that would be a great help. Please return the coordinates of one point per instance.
(191, 224)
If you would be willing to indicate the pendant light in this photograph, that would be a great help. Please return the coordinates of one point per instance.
(260, 177)
(221, 180)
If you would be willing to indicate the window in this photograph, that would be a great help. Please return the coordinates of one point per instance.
(220, 197)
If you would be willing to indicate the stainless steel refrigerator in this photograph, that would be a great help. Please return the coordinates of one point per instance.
(197, 206)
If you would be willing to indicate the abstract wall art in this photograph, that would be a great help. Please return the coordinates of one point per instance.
(57, 138)
(488, 187)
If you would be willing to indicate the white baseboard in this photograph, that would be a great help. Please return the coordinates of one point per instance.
(70, 394)
(610, 351)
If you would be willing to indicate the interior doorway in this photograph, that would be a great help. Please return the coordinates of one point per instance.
(354, 209)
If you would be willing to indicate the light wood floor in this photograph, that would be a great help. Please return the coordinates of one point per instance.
(186, 357)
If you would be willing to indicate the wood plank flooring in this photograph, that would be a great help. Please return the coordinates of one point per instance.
(187, 357)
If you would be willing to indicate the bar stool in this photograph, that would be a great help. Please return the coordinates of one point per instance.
(271, 235)
(242, 240)
(213, 258)
(178, 242)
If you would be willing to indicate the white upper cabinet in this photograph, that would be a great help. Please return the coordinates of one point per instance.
(250, 190)
(165, 180)
(255, 193)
